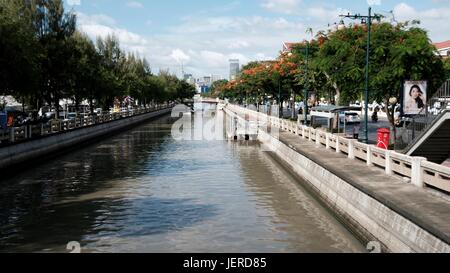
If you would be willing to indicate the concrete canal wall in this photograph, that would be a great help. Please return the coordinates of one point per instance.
(34, 150)
(373, 205)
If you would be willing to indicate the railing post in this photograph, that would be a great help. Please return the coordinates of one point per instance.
(12, 136)
(317, 139)
(303, 132)
(310, 134)
(417, 171)
(42, 129)
(338, 145)
(327, 141)
(388, 163)
(369, 156)
(351, 149)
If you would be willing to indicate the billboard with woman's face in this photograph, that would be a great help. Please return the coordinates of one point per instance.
(414, 97)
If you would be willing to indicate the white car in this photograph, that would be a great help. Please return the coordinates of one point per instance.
(350, 117)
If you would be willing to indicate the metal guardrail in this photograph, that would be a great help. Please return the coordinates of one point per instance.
(417, 170)
(22, 133)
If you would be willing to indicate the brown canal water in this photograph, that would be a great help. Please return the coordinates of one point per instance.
(144, 191)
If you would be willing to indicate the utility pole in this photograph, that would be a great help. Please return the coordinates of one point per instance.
(306, 83)
(368, 19)
(306, 94)
(280, 105)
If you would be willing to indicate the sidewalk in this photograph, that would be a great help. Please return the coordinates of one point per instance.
(426, 210)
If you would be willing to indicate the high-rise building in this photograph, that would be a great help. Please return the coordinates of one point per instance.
(234, 68)
(189, 78)
(207, 80)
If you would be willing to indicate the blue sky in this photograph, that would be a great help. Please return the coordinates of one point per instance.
(203, 34)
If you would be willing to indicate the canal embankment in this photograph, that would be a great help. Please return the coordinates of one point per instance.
(376, 204)
(35, 150)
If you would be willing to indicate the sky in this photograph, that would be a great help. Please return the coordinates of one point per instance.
(202, 35)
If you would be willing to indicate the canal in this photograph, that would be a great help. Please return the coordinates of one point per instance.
(144, 191)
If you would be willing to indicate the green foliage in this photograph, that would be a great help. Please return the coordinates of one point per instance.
(19, 50)
(447, 67)
(44, 59)
(398, 52)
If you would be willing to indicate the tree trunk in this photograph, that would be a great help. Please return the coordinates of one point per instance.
(293, 106)
(336, 88)
(280, 109)
(57, 106)
(391, 117)
(91, 105)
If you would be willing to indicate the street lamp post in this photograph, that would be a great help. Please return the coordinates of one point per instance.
(306, 84)
(368, 19)
(280, 106)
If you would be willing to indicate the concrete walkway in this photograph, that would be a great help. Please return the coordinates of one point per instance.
(421, 207)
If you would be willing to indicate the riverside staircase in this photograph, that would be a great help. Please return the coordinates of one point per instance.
(428, 134)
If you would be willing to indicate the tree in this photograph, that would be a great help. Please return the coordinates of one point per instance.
(185, 90)
(402, 52)
(341, 59)
(85, 64)
(19, 51)
(447, 67)
(218, 88)
(111, 67)
(54, 29)
(398, 53)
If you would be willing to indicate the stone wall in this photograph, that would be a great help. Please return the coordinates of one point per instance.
(369, 219)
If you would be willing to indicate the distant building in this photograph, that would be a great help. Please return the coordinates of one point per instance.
(189, 78)
(207, 80)
(234, 68)
(287, 47)
(215, 78)
(443, 49)
(203, 85)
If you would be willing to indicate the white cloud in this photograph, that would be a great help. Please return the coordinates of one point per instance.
(179, 56)
(100, 25)
(283, 6)
(434, 20)
(135, 5)
(374, 2)
(102, 19)
(238, 45)
(74, 2)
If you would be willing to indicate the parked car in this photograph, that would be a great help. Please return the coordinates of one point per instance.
(350, 117)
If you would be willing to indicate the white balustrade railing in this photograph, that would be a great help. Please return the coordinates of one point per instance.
(17, 134)
(417, 170)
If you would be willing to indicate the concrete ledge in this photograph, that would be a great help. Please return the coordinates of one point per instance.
(366, 200)
(13, 155)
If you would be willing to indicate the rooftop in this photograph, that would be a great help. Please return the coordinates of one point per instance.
(289, 46)
(442, 45)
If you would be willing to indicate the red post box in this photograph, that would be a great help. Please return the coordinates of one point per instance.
(384, 136)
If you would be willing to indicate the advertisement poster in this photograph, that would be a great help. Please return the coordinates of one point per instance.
(414, 97)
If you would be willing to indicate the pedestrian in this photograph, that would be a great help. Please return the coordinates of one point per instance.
(356, 132)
